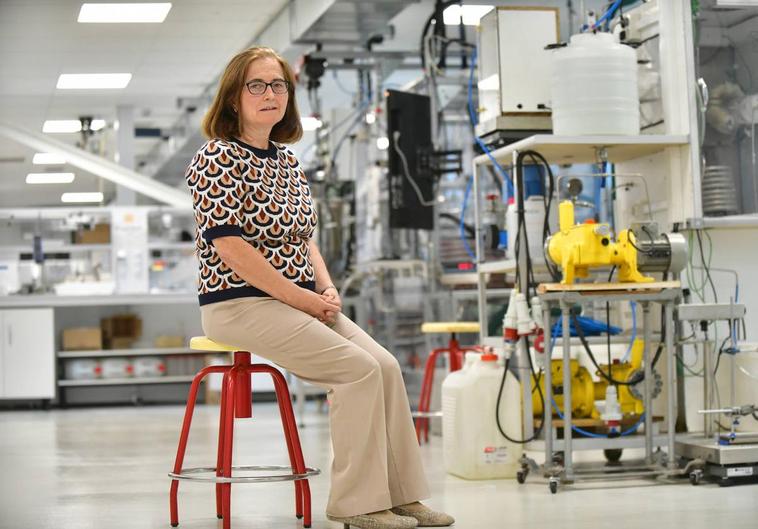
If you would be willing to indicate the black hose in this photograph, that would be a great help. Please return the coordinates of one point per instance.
(538, 431)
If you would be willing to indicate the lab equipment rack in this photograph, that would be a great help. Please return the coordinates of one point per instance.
(572, 150)
(665, 293)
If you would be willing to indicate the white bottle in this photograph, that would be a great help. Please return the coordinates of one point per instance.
(473, 448)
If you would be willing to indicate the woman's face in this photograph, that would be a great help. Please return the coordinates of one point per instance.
(262, 112)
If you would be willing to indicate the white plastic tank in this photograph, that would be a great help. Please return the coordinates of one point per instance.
(117, 368)
(594, 87)
(473, 448)
(82, 369)
(534, 216)
(149, 366)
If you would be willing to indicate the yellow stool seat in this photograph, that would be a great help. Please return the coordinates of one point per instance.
(203, 343)
(450, 327)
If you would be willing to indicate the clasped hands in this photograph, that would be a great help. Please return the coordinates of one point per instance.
(324, 307)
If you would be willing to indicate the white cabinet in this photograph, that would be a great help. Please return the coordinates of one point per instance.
(27, 354)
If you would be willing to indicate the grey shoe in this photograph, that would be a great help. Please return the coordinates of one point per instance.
(426, 517)
(368, 521)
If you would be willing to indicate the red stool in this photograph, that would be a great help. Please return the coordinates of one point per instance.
(456, 362)
(236, 402)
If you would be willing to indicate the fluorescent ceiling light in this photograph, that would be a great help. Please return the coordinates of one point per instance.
(48, 158)
(124, 13)
(49, 178)
(69, 125)
(80, 81)
(82, 197)
(471, 14)
(310, 123)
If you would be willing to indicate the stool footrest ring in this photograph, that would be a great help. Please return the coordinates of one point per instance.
(196, 474)
(426, 414)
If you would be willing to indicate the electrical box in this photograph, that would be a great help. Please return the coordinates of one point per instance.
(514, 68)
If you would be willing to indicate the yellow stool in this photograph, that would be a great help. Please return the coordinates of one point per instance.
(236, 401)
(456, 353)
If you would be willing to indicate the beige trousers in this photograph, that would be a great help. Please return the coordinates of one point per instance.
(377, 462)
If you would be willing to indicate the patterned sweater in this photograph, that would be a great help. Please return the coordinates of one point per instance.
(259, 195)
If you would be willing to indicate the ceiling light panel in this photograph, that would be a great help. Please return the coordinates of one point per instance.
(49, 178)
(81, 197)
(48, 158)
(62, 126)
(152, 13)
(93, 81)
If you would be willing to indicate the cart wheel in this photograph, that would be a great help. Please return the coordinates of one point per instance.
(521, 476)
(613, 455)
(696, 476)
(553, 484)
(726, 482)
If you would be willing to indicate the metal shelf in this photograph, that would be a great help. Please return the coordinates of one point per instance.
(49, 300)
(106, 353)
(583, 149)
(125, 381)
(56, 248)
(171, 245)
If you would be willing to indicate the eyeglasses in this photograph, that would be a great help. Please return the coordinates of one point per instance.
(258, 88)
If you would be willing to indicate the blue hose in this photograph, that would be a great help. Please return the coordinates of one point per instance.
(586, 433)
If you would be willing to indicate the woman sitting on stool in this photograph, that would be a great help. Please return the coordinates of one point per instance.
(264, 288)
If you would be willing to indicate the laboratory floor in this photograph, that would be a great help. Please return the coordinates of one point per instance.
(92, 468)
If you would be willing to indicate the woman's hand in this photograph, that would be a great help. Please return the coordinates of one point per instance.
(318, 306)
(332, 296)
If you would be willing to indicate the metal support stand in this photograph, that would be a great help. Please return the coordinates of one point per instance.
(666, 294)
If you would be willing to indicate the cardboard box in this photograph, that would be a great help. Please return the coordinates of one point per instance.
(99, 234)
(121, 330)
(82, 338)
(169, 341)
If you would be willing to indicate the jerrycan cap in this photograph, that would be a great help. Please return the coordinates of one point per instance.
(489, 357)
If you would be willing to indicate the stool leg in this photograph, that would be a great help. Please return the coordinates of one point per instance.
(220, 455)
(302, 489)
(426, 392)
(184, 436)
(226, 488)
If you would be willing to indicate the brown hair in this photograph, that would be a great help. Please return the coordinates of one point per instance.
(221, 121)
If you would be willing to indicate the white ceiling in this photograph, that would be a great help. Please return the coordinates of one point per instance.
(40, 39)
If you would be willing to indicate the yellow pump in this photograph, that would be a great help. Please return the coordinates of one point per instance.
(585, 391)
(578, 247)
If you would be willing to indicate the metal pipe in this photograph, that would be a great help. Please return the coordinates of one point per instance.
(547, 409)
(671, 388)
(707, 374)
(647, 384)
(567, 429)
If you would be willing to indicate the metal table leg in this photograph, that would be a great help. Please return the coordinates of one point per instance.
(671, 387)
(547, 409)
(567, 430)
(647, 384)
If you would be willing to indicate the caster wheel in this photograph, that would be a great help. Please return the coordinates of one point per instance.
(521, 477)
(299, 516)
(695, 477)
(726, 482)
(553, 484)
(174, 525)
(613, 455)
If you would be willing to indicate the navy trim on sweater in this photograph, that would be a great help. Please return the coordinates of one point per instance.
(245, 292)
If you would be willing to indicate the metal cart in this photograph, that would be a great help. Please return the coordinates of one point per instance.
(564, 296)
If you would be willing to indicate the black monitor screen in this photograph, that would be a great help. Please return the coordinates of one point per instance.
(410, 132)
